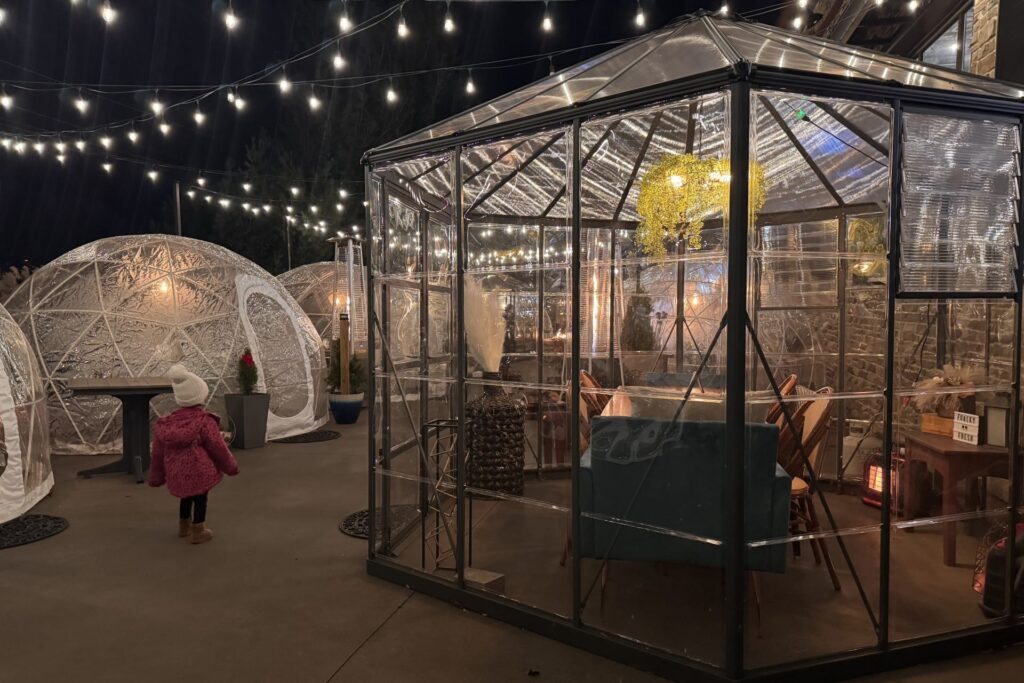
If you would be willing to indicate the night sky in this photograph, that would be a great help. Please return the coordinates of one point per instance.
(47, 209)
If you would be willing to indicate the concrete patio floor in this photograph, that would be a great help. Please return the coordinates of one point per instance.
(279, 595)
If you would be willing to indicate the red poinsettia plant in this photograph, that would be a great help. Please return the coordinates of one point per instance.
(247, 373)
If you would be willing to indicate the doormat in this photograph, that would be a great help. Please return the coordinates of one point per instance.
(356, 524)
(310, 437)
(29, 529)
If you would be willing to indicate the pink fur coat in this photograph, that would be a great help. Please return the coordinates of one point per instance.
(189, 453)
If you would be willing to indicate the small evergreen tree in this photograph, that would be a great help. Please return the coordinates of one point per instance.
(247, 373)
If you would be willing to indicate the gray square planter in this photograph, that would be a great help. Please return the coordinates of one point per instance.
(248, 412)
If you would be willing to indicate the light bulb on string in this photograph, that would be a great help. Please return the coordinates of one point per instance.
(344, 23)
(60, 146)
(289, 209)
(640, 20)
(246, 205)
(798, 22)
(338, 61)
(283, 84)
(724, 10)
(879, 3)
(19, 146)
(231, 20)
(913, 5)
(294, 190)
(39, 147)
(314, 208)
(133, 136)
(314, 102)
(61, 158)
(546, 24)
(247, 187)
(80, 145)
(191, 194)
(156, 105)
(391, 96)
(802, 4)
(403, 28)
(153, 174)
(239, 101)
(208, 198)
(224, 202)
(3, 16)
(201, 181)
(81, 104)
(199, 116)
(165, 128)
(470, 86)
(106, 142)
(343, 193)
(266, 208)
(449, 23)
(107, 12)
(339, 207)
(108, 167)
(6, 101)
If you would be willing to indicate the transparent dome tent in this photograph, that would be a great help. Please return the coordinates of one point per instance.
(739, 281)
(25, 472)
(134, 305)
(323, 289)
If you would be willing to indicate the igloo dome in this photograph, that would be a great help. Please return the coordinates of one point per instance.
(134, 305)
(322, 290)
(25, 473)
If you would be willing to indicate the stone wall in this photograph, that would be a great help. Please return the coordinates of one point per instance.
(983, 40)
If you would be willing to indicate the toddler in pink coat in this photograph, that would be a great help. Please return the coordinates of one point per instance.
(189, 453)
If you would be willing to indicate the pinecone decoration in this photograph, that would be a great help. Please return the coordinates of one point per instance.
(496, 442)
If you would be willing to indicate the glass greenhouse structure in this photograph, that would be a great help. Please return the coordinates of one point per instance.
(704, 354)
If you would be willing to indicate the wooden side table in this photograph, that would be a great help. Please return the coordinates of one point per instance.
(955, 461)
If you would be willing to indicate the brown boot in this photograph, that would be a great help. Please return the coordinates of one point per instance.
(200, 534)
(184, 527)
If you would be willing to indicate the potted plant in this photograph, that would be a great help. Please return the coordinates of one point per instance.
(248, 410)
(345, 393)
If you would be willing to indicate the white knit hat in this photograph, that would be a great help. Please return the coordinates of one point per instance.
(189, 388)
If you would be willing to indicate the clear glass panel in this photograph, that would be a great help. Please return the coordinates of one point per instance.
(959, 210)
(943, 51)
(965, 64)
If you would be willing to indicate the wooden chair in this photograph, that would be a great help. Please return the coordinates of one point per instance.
(816, 417)
(787, 387)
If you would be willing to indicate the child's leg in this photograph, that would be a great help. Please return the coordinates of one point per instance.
(200, 509)
(185, 508)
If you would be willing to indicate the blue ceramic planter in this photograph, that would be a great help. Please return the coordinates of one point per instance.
(345, 407)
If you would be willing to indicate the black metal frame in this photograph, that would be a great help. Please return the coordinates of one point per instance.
(741, 80)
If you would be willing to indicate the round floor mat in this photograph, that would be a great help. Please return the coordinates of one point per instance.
(29, 529)
(355, 525)
(310, 437)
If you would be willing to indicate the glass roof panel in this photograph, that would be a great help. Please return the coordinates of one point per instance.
(698, 45)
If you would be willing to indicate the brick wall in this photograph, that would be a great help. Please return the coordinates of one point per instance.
(983, 40)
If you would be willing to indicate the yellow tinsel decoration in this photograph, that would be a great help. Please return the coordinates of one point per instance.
(682, 190)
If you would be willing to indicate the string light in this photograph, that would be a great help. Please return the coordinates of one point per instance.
(133, 136)
(61, 159)
(283, 84)
(238, 101)
(231, 20)
(449, 23)
(798, 22)
(81, 104)
(342, 193)
(153, 174)
(724, 11)
(165, 128)
(106, 142)
(913, 5)
(391, 96)
(879, 3)
(247, 187)
(802, 4)
(108, 167)
(199, 116)
(314, 101)
(107, 12)
(80, 145)
(191, 194)
(157, 106)
(39, 147)
(546, 24)
(60, 146)
(3, 16)
(339, 60)
(344, 23)
(294, 190)
(640, 20)
(6, 101)
(470, 87)
(403, 28)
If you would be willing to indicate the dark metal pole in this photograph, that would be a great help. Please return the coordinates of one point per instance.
(1014, 440)
(574, 390)
(892, 281)
(735, 378)
(371, 373)
(460, 371)
(177, 207)
(840, 380)
(288, 238)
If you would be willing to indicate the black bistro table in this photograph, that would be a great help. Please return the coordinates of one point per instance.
(135, 394)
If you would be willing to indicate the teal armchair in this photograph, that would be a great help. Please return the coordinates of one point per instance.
(671, 472)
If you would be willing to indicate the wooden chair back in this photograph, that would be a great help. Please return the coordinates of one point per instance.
(787, 387)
